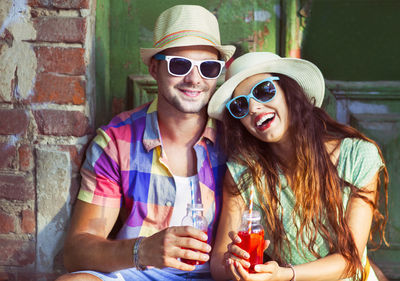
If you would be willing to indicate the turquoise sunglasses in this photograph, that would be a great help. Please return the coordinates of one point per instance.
(263, 92)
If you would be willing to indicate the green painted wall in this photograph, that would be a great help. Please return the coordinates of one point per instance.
(354, 40)
(102, 49)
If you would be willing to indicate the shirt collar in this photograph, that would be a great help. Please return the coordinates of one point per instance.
(152, 137)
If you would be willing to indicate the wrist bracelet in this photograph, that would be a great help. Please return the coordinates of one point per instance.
(136, 263)
(294, 272)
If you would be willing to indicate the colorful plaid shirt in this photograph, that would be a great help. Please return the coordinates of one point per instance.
(126, 167)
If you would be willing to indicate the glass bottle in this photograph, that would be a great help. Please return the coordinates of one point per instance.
(194, 217)
(251, 232)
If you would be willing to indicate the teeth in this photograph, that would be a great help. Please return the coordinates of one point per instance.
(265, 117)
(191, 93)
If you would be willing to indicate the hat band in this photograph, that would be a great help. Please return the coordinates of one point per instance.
(184, 33)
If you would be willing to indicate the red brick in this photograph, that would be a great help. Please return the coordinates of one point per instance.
(61, 123)
(5, 276)
(6, 38)
(16, 252)
(71, 4)
(61, 60)
(13, 121)
(59, 89)
(7, 152)
(36, 3)
(28, 223)
(16, 187)
(60, 29)
(25, 154)
(8, 275)
(60, 4)
(7, 223)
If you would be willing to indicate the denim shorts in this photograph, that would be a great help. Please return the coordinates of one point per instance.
(153, 274)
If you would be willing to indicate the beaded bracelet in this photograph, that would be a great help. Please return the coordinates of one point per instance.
(138, 266)
(294, 272)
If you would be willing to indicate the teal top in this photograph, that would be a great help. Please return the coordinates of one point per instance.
(358, 162)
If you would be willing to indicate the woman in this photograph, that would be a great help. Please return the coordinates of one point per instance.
(316, 182)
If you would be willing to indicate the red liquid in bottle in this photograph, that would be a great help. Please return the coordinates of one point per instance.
(253, 243)
(193, 262)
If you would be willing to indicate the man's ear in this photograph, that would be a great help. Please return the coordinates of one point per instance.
(153, 68)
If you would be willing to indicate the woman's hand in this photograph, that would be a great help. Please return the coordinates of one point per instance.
(235, 253)
(266, 272)
(237, 264)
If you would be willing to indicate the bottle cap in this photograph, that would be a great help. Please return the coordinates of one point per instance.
(254, 216)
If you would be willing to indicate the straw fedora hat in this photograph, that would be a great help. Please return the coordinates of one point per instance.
(306, 74)
(186, 25)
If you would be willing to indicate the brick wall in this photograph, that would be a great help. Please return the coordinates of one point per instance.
(46, 120)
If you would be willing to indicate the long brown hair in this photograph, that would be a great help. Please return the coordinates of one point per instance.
(315, 182)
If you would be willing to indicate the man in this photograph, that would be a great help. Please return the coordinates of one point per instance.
(141, 166)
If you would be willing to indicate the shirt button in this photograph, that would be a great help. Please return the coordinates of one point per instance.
(168, 204)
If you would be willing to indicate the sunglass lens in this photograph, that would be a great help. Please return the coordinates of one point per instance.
(239, 107)
(264, 91)
(210, 69)
(179, 66)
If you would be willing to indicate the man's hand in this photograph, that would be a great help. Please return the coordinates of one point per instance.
(163, 248)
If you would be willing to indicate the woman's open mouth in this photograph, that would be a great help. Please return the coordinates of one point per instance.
(263, 121)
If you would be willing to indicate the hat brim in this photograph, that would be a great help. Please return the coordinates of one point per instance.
(305, 73)
(226, 51)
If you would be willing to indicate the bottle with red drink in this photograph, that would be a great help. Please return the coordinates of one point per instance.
(251, 233)
(194, 217)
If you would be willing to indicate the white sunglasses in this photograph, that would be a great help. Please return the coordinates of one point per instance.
(181, 66)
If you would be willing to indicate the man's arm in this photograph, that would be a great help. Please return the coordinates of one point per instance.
(87, 247)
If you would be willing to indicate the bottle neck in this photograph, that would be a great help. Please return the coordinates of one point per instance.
(195, 217)
(194, 212)
(251, 221)
(194, 209)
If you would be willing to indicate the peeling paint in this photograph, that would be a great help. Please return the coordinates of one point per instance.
(258, 15)
(16, 9)
(262, 15)
(18, 61)
(11, 141)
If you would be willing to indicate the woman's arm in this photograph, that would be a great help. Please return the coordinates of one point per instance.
(359, 217)
(230, 219)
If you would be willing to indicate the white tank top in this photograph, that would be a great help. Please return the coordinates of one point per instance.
(182, 198)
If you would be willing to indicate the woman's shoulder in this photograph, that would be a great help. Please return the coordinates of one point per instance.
(358, 148)
(236, 169)
(359, 160)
